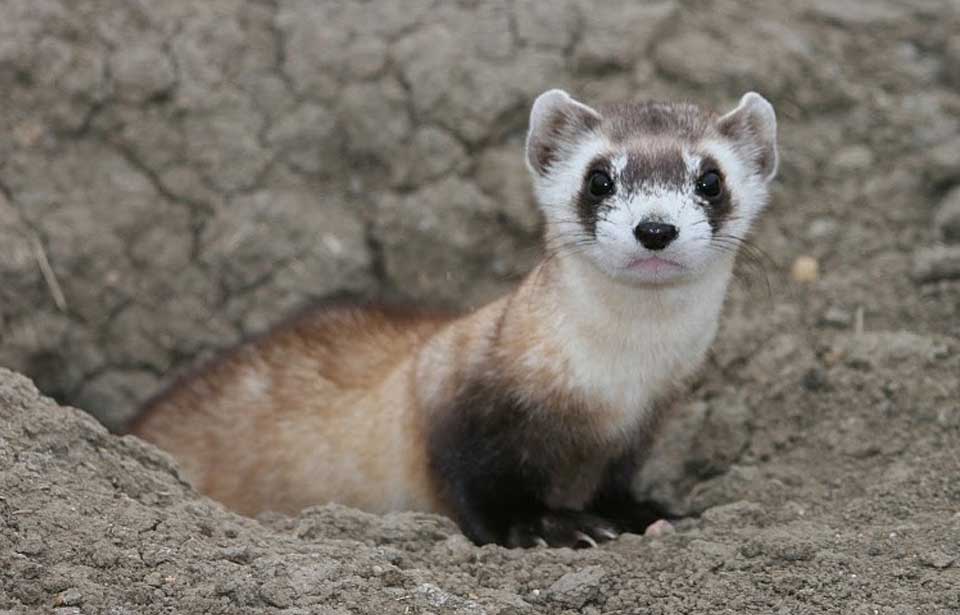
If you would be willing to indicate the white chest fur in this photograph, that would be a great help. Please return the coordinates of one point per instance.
(627, 346)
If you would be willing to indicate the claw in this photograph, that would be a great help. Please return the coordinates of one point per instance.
(540, 542)
(607, 533)
(586, 539)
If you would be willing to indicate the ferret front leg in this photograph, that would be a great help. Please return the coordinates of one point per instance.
(490, 465)
(490, 506)
(496, 501)
(483, 485)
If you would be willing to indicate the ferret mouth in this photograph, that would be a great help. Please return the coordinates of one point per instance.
(654, 265)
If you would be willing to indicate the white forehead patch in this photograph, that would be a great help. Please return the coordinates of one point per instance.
(693, 161)
(619, 164)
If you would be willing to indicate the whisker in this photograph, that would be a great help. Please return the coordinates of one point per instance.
(563, 245)
(751, 260)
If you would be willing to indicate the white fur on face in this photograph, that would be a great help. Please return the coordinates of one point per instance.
(614, 248)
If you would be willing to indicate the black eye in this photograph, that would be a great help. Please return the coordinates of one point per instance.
(599, 184)
(710, 185)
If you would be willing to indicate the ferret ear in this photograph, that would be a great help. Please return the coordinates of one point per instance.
(556, 121)
(752, 126)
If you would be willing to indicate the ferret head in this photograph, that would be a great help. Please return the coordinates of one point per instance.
(650, 193)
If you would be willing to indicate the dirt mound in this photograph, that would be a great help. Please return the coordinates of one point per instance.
(843, 498)
(176, 175)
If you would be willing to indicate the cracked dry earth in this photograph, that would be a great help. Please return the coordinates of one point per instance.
(177, 175)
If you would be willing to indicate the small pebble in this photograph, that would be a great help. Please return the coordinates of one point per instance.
(660, 527)
(576, 589)
(937, 559)
(822, 228)
(837, 318)
(154, 579)
(238, 554)
(941, 162)
(946, 220)
(936, 264)
(751, 548)
(948, 417)
(71, 597)
(806, 269)
(815, 379)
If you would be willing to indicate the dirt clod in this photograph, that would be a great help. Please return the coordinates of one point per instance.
(936, 264)
(71, 597)
(575, 589)
(937, 559)
(946, 220)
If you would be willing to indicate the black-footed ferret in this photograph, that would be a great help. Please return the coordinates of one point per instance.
(520, 420)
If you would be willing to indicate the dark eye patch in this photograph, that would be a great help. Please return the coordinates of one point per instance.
(719, 207)
(589, 203)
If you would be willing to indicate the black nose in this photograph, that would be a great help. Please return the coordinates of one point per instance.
(655, 235)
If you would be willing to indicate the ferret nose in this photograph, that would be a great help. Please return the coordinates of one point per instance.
(655, 235)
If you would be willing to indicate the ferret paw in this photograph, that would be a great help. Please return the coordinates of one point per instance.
(574, 529)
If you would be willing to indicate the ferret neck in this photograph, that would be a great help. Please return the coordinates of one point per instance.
(628, 347)
(573, 329)
(586, 295)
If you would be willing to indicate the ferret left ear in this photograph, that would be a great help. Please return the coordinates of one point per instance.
(752, 126)
(556, 123)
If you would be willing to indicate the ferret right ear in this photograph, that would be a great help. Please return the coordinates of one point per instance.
(556, 122)
(752, 126)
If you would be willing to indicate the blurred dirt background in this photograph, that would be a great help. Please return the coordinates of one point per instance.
(177, 175)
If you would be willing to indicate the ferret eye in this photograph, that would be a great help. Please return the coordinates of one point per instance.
(599, 184)
(710, 185)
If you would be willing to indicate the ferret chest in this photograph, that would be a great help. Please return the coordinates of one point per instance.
(624, 372)
(624, 349)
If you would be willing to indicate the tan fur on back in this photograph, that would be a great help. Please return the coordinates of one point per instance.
(317, 411)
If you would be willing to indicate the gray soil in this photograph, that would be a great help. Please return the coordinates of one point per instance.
(177, 175)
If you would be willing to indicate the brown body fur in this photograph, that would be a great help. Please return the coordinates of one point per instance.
(312, 412)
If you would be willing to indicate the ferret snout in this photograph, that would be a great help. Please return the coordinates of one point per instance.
(655, 235)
